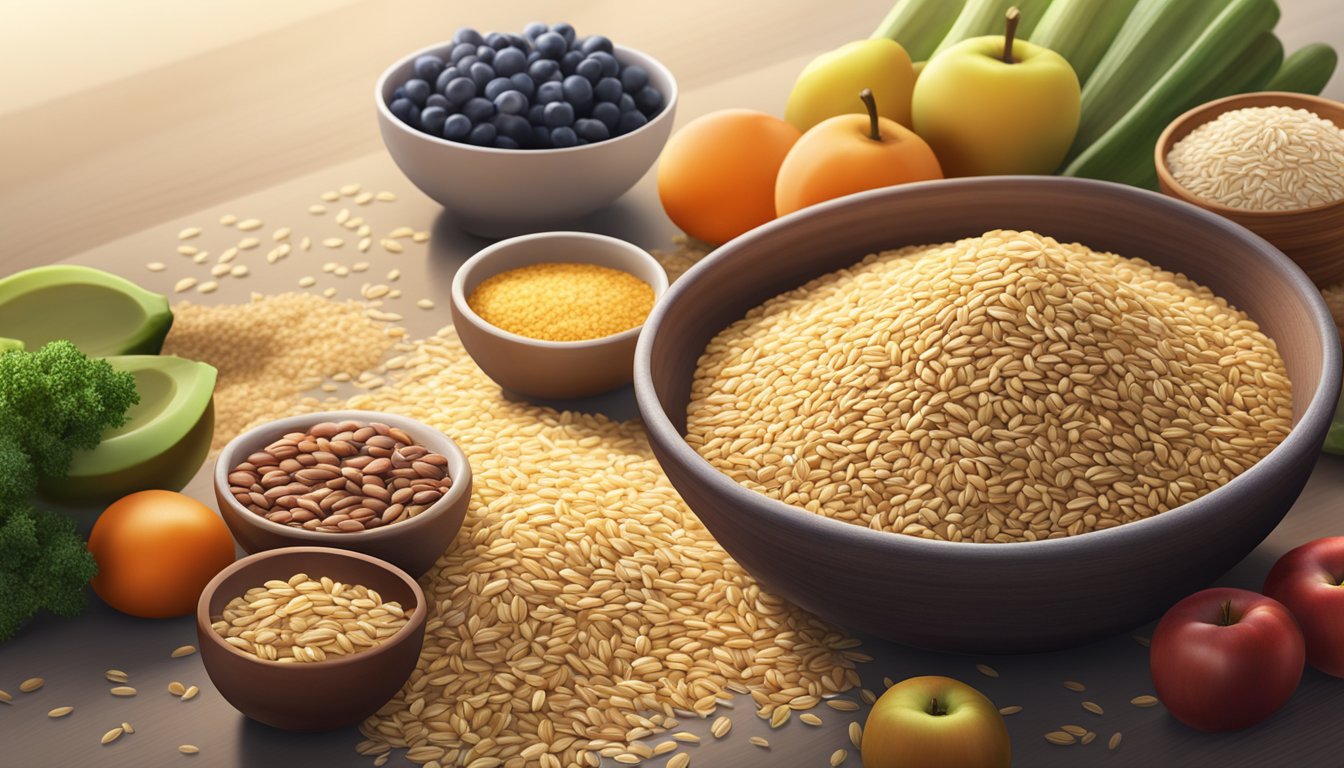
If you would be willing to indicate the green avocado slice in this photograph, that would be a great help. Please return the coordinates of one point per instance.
(163, 442)
(99, 312)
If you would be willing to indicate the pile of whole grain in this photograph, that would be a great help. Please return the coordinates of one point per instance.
(1262, 159)
(1000, 388)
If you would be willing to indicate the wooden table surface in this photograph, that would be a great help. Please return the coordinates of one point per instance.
(174, 118)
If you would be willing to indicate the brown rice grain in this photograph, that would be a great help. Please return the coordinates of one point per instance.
(1114, 742)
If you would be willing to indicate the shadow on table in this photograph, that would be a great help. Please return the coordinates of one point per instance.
(260, 745)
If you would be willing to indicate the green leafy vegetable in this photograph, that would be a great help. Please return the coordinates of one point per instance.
(1334, 439)
(53, 402)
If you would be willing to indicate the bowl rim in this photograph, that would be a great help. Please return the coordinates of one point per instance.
(621, 52)
(736, 496)
(415, 619)
(459, 469)
(1217, 108)
(629, 250)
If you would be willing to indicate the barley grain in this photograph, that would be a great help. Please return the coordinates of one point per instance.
(116, 676)
(1011, 709)
(60, 712)
(188, 250)
(838, 757)
(842, 705)
(1114, 742)
(856, 735)
(1144, 701)
(349, 190)
(6, 697)
(424, 304)
(679, 760)
(332, 242)
(720, 727)
(190, 693)
(331, 196)
(1093, 707)
(188, 233)
(209, 286)
(189, 749)
(248, 225)
(1075, 730)
(809, 718)
(987, 670)
(759, 741)
(1060, 737)
(390, 245)
(122, 690)
(31, 684)
(228, 220)
(176, 688)
(112, 735)
(317, 209)
(1075, 686)
(156, 266)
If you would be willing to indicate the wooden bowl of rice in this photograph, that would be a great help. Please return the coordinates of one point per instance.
(988, 597)
(1311, 235)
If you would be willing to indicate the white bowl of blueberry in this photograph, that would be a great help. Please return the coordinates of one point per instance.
(510, 132)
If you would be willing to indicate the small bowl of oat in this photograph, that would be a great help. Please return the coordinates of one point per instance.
(377, 483)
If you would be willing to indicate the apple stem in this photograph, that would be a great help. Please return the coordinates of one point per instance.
(1226, 619)
(935, 709)
(1011, 19)
(866, 95)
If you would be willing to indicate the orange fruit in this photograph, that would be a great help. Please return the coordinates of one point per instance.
(716, 176)
(156, 551)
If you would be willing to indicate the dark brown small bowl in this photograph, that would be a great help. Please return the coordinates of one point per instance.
(1309, 236)
(990, 597)
(412, 545)
(317, 696)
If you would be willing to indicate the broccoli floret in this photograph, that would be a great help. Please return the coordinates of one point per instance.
(53, 402)
(44, 565)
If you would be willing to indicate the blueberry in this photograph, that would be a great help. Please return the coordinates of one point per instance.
(520, 42)
(445, 77)
(590, 69)
(630, 121)
(524, 84)
(460, 50)
(481, 74)
(432, 119)
(468, 35)
(563, 136)
(566, 31)
(596, 43)
(417, 91)
(592, 130)
(608, 89)
(497, 86)
(440, 101)
(406, 111)
(579, 90)
(582, 141)
(608, 113)
(515, 127)
(551, 45)
(511, 103)
(460, 89)
(533, 56)
(510, 61)
(541, 69)
(634, 77)
(535, 29)
(428, 67)
(553, 91)
(541, 137)
(610, 66)
(399, 93)
(536, 114)
(504, 142)
(559, 113)
(485, 53)
(483, 135)
(479, 110)
(496, 40)
(570, 62)
(457, 127)
(626, 103)
(649, 100)
(464, 64)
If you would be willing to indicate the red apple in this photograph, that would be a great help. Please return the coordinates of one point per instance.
(1224, 659)
(935, 722)
(1308, 581)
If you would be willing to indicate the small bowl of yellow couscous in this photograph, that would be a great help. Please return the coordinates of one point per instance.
(556, 314)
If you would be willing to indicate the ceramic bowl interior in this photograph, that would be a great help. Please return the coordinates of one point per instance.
(413, 544)
(551, 369)
(1308, 236)
(990, 597)
(500, 192)
(316, 696)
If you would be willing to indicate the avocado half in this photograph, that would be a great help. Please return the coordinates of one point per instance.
(100, 313)
(163, 442)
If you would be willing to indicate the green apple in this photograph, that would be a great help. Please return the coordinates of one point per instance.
(984, 112)
(826, 87)
(935, 722)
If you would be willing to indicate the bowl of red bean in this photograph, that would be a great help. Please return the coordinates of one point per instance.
(377, 483)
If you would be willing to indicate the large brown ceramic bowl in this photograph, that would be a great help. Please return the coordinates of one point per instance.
(990, 597)
(322, 695)
(1309, 236)
(412, 544)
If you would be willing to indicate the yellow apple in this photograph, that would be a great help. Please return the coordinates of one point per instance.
(826, 87)
(935, 722)
(984, 115)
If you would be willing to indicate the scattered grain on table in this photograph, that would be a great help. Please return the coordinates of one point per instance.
(60, 712)
(424, 304)
(842, 705)
(228, 220)
(867, 696)
(201, 257)
(332, 242)
(1075, 686)
(838, 757)
(307, 281)
(281, 233)
(331, 196)
(317, 209)
(987, 670)
(1011, 709)
(239, 270)
(1088, 737)
(248, 243)
(350, 190)
(176, 688)
(306, 243)
(1093, 707)
(359, 266)
(363, 198)
(112, 735)
(188, 250)
(856, 735)
(32, 684)
(354, 223)
(364, 244)
(1060, 737)
(183, 650)
(1114, 742)
(401, 232)
(156, 266)
(1144, 701)
(420, 237)
(123, 690)
(188, 233)
(189, 749)
(248, 225)
(209, 286)
(809, 719)
(1076, 730)
(228, 255)
(190, 693)
(679, 760)
(116, 676)
(721, 726)
(6, 697)
(390, 245)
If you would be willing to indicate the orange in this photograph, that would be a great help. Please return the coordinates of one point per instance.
(156, 551)
(716, 176)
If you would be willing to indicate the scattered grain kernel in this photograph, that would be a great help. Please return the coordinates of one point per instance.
(239, 270)
(60, 712)
(780, 715)
(307, 281)
(720, 727)
(228, 255)
(341, 271)
(176, 688)
(987, 670)
(306, 243)
(420, 237)
(809, 718)
(333, 242)
(1114, 743)
(228, 219)
(6, 697)
(248, 243)
(838, 757)
(116, 676)
(1012, 709)
(626, 758)
(1093, 707)
(329, 292)
(687, 737)
(1088, 737)
(188, 250)
(201, 257)
(156, 266)
(842, 705)
(1144, 701)
(359, 266)
(188, 749)
(112, 735)
(189, 233)
(679, 760)
(331, 196)
(220, 270)
(401, 232)
(363, 198)
(1076, 730)
(190, 693)
(280, 234)
(1060, 737)
(31, 684)
(127, 728)
(349, 189)
(390, 245)
(247, 225)
(393, 274)
(759, 741)
(395, 293)
(425, 304)
(354, 223)
(364, 244)
(317, 209)
(856, 735)
(209, 286)
(1075, 686)
(122, 690)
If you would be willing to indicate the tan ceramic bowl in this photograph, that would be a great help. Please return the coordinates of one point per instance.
(1309, 236)
(497, 192)
(412, 545)
(558, 370)
(321, 695)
